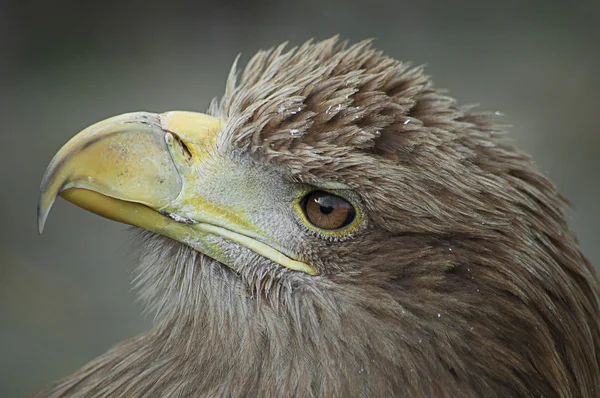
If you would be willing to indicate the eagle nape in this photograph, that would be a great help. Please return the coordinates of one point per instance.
(334, 226)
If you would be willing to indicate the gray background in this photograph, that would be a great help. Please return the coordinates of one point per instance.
(65, 296)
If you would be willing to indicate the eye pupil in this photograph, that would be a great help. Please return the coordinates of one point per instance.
(325, 203)
(328, 211)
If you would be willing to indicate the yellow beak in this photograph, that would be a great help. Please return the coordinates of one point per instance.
(142, 169)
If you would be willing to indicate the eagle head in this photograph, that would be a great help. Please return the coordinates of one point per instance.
(335, 226)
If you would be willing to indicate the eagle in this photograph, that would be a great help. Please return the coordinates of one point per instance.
(334, 226)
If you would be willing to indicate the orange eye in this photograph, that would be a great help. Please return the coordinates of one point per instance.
(327, 211)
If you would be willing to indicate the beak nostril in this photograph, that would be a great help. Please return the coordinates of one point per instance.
(184, 149)
(186, 152)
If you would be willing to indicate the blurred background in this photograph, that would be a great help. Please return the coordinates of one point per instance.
(65, 297)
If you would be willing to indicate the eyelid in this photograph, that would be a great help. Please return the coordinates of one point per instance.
(328, 186)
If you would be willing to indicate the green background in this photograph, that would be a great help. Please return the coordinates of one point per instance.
(65, 297)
